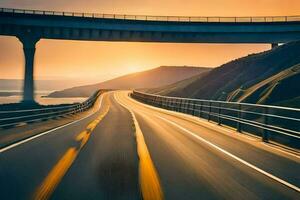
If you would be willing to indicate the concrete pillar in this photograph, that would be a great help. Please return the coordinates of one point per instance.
(274, 45)
(29, 51)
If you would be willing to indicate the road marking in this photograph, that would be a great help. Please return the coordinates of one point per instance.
(282, 151)
(148, 176)
(57, 173)
(202, 122)
(44, 133)
(233, 156)
(52, 180)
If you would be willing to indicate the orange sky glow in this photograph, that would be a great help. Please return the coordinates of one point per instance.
(98, 61)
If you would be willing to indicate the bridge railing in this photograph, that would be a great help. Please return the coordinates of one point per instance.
(250, 19)
(16, 117)
(271, 123)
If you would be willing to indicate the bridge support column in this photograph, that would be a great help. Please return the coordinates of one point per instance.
(273, 45)
(29, 51)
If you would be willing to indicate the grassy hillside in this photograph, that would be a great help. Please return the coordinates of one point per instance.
(279, 87)
(151, 78)
(270, 71)
(165, 90)
(285, 93)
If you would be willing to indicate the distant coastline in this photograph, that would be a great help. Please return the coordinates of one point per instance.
(9, 93)
(15, 96)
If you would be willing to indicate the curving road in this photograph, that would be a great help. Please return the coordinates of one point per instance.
(129, 150)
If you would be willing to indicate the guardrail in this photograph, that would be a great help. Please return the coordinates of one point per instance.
(272, 123)
(13, 118)
(216, 19)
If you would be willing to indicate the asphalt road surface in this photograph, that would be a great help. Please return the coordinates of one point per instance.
(129, 150)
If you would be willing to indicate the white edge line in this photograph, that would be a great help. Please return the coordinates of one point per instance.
(201, 120)
(130, 110)
(118, 101)
(286, 152)
(233, 156)
(44, 133)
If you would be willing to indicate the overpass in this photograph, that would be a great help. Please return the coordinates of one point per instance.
(32, 25)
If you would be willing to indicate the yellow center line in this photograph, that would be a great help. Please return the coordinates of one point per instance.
(56, 174)
(49, 184)
(148, 176)
(80, 136)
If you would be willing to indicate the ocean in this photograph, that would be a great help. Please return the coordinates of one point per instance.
(40, 99)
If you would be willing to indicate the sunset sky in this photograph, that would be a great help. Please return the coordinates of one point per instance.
(98, 61)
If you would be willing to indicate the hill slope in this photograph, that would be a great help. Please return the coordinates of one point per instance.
(240, 77)
(280, 87)
(151, 78)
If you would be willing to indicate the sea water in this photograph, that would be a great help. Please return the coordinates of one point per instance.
(40, 99)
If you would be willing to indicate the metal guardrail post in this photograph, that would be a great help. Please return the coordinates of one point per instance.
(167, 104)
(160, 103)
(156, 102)
(265, 135)
(194, 109)
(238, 124)
(209, 111)
(200, 110)
(180, 106)
(219, 113)
(174, 105)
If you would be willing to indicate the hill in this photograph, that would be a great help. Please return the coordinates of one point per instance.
(256, 78)
(282, 86)
(156, 77)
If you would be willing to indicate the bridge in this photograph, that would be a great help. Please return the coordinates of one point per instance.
(32, 25)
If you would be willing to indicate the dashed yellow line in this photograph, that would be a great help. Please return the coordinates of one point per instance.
(148, 176)
(57, 173)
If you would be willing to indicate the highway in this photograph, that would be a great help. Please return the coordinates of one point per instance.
(129, 150)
